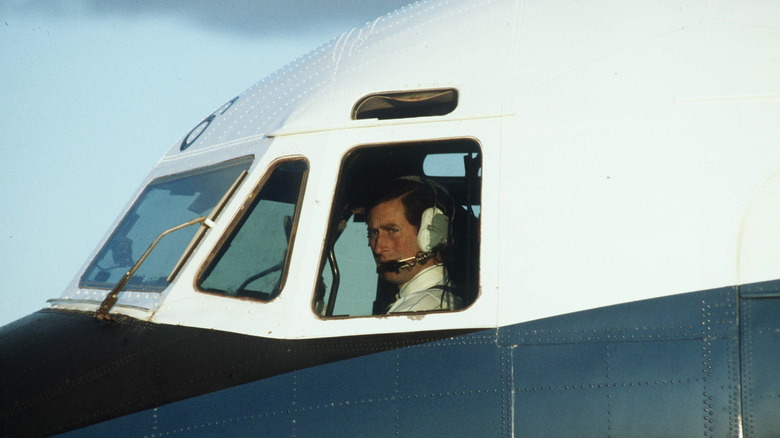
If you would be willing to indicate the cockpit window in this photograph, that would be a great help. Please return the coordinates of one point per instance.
(252, 261)
(418, 254)
(406, 104)
(166, 202)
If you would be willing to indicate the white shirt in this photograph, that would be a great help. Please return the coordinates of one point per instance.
(419, 294)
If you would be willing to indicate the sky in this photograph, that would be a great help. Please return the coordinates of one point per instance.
(93, 92)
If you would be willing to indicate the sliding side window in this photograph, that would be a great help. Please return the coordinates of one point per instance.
(252, 261)
(350, 285)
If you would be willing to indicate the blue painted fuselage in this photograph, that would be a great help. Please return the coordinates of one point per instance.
(684, 365)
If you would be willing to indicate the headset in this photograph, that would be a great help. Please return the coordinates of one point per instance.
(435, 231)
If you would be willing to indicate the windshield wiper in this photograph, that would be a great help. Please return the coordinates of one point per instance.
(205, 222)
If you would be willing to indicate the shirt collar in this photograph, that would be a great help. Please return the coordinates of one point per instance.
(425, 279)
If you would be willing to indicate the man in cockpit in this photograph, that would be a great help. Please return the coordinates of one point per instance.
(405, 256)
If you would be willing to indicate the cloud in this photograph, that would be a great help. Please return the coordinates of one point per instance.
(246, 17)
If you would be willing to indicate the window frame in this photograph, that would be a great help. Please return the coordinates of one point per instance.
(340, 201)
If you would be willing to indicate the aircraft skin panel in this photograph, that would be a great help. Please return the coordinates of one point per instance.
(66, 369)
(456, 385)
(759, 310)
(663, 367)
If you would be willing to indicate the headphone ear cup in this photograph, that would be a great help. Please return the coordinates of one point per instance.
(434, 229)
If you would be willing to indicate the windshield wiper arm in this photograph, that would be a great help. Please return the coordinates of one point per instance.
(206, 223)
(113, 296)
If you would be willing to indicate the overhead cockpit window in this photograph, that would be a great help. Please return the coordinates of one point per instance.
(404, 231)
(252, 261)
(165, 203)
(406, 104)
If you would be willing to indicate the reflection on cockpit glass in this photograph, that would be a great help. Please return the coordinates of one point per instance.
(166, 202)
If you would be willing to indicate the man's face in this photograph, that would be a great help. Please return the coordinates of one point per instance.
(392, 237)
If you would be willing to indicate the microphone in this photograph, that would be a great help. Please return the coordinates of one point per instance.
(395, 265)
(407, 263)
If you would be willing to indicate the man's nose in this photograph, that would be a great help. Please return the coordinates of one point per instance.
(380, 244)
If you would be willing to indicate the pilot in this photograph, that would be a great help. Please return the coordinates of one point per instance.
(407, 231)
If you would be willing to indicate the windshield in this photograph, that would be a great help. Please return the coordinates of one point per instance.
(166, 202)
(252, 261)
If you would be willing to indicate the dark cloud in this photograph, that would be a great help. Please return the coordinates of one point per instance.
(246, 17)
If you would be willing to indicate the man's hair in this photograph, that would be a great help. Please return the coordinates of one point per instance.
(416, 197)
